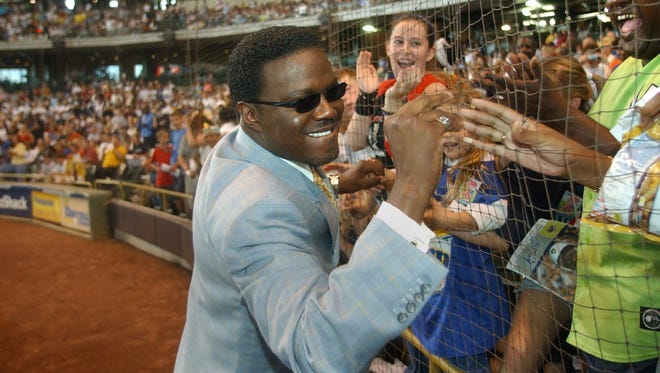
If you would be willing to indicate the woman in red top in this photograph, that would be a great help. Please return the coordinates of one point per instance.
(409, 48)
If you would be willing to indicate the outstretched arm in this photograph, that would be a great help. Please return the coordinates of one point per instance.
(533, 145)
(524, 88)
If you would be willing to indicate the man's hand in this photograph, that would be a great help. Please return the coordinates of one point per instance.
(414, 133)
(362, 175)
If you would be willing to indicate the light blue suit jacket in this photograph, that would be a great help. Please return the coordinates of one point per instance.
(265, 294)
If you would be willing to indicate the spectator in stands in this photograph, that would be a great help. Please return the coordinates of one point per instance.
(575, 86)
(526, 45)
(17, 151)
(90, 157)
(163, 116)
(606, 49)
(178, 130)
(74, 168)
(212, 135)
(147, 126)
(189, 157)
(160, 164)
(518, 61)
(346, 153)
(113, 157)
(540, 317)
(607, 246)
(136, 157)
(592, 60)
(409, 49)
(355, 209)
(25, 136)
(266, 244)
(545, 150)
(535, 196)
(463, 322)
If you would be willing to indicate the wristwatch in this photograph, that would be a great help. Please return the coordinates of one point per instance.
(334, 182)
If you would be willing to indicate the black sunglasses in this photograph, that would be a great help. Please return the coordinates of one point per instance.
(311, 102)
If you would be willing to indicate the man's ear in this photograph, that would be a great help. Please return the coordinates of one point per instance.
(249, 116)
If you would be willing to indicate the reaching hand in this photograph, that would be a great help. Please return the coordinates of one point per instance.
(365, 73)
(414, 133)
(532, 144)
(406, 80)
(522, 87)
(362, 175)
(519, 67)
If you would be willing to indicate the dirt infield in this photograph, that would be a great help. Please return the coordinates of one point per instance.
(70, 304)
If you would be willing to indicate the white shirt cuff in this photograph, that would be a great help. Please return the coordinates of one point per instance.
(418, 234)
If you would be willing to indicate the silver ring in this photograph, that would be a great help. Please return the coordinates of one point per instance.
(445, 121)
(503, 138)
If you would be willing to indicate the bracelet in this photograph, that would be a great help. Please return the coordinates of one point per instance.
(334, 182)
(385, 112)
(366, 103)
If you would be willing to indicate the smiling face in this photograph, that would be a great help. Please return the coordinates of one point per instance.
(408, 46)
(527, 47)
(310, 137)
(637, 23)
(454, 146)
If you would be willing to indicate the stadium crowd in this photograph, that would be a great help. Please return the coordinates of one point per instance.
(107, 130)
(136, 17)
(68, 134)
(156, 133)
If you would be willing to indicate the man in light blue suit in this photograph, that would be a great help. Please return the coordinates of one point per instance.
(266, 294)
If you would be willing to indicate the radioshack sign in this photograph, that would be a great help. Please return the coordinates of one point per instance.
(16, 201)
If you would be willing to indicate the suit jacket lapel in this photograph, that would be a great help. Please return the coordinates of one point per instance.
(249, 150)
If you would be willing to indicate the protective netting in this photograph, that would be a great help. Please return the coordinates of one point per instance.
(522, 292)
(541, 267)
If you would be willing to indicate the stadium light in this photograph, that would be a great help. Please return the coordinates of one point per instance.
(533, 4)
(70, 4)
(369, 28)
(506, 27)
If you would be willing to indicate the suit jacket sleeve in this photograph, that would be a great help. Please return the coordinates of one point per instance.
(312, 316)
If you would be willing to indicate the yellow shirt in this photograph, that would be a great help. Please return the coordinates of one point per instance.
(110, 159)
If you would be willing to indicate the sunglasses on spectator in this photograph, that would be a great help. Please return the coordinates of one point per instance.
(311, 102)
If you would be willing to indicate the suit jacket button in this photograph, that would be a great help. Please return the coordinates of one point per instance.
(411, 307)
(402, 317)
